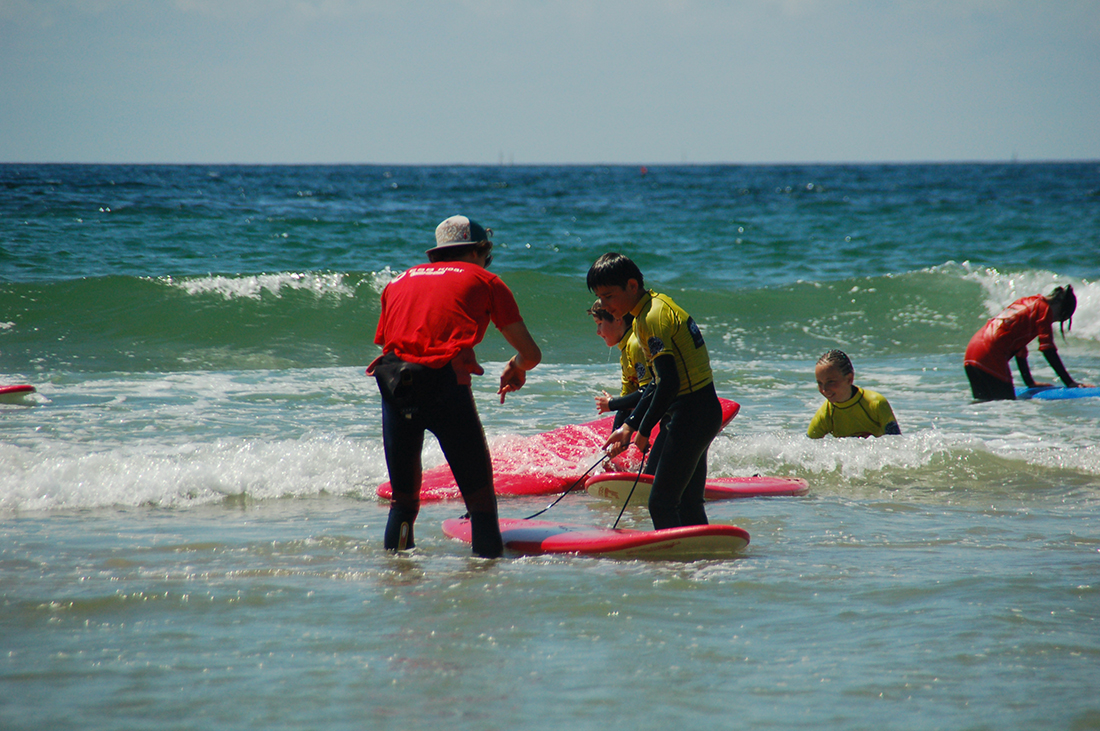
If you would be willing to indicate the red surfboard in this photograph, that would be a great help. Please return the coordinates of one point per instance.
(15, 394)
(539, 537)
(615, 486)
(541, 464)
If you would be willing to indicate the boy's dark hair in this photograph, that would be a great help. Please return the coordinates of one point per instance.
(614, 270)
(837, 359)
(597, 310)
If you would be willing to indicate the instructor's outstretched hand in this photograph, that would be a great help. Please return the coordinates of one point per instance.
(512, 379)
(528, 355)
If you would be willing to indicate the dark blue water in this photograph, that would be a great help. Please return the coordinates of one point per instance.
(736, 225)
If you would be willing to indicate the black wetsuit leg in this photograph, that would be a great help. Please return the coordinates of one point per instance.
(989, 388)
(680, 474)
(403, 440)
(656, 447)
(450, 414)
(462, 439)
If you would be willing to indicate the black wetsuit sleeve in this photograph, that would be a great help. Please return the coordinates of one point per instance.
(627, 402)
(635, 416)
(1056, 363)
(623, 405)
(642, 406)
(668, 387)
(1025, 371)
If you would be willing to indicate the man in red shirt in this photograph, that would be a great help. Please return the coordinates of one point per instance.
(432, 316)
(1007, 335)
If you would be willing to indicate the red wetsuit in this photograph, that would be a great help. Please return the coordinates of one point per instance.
(1008, 334)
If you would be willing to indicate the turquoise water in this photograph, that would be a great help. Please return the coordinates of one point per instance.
(191, 537)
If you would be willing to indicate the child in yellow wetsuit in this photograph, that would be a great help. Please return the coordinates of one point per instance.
(618, 331)
(683, 399)
(848, 411)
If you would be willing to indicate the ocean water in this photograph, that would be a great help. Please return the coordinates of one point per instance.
(190, 536)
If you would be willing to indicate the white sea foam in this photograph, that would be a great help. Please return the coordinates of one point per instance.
(923, 456)
(189, 474)
(380, 279)
(193, 438)
(254, 286)
(1004, 287)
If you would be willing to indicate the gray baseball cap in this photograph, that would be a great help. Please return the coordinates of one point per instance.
(459, 231)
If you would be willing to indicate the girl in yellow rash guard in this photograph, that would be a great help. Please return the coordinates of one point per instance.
(848, 411)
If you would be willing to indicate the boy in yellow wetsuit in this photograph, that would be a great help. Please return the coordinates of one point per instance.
(848, 411)
(683, 400)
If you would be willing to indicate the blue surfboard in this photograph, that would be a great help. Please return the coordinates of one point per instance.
(1056, 393)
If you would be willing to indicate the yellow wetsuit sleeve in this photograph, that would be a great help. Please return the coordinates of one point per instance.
(822, 423)
(629, 381)
(884, 414)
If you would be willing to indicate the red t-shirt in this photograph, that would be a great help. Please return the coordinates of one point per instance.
(433, 311)
(1008, 334)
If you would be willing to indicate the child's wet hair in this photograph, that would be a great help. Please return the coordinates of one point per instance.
(1067, 300)
(837, 359)
(597, 310)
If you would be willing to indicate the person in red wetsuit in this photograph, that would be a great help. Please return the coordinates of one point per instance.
(1007, 335)
(432, 317)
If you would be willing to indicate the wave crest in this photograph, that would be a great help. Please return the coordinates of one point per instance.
(253, 286)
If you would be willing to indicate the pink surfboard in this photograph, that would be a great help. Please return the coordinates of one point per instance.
(615, 486)
(541, 464)
(539, 537)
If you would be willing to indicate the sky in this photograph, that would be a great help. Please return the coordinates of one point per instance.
(548, 81)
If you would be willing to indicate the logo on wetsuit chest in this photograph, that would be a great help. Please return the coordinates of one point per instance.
(656, 345)
(696, 335)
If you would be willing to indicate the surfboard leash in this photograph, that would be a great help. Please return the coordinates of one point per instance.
(568, 489)
(631, 493)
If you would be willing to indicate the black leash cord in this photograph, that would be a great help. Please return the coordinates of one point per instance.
(631, 494)
(568, 490)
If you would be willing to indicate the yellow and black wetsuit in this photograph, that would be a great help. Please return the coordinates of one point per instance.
(685, 403)
(636, 376)
(867, 413)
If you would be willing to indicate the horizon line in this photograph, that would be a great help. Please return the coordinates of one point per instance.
(1007, 161)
